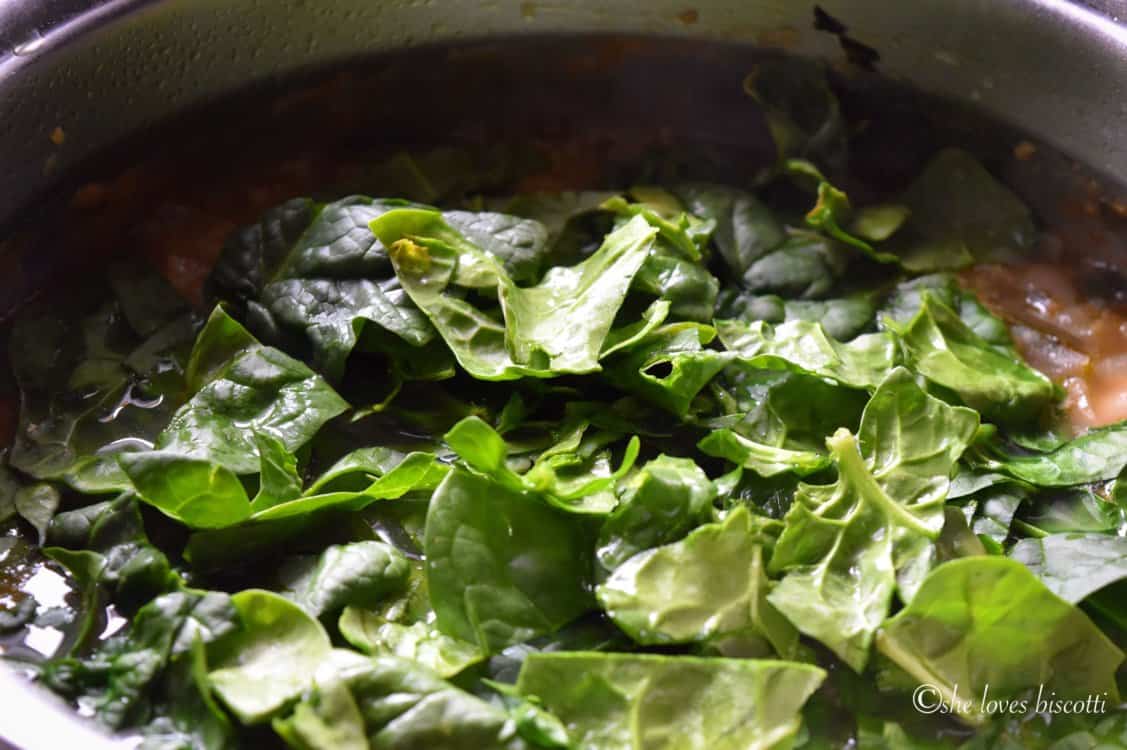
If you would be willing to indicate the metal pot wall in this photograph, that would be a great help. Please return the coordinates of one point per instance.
(101, 72)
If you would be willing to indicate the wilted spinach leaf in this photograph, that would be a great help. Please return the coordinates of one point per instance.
(959, 215)
(115, 683)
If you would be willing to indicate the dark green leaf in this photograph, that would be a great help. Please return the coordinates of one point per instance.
(660, 504)
(806, 266)
(503, 567)
(842, 318)
(358, 574)
(801, 110)
(259, 390)
(114, 682)
(392, 704)
(959, 215)
(1096, 455)
(745, 228)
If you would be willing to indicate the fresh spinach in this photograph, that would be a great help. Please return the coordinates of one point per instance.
(554, 327)
(988, 621)
(804, 347)
(847, 546)
(503, 567)
(712, 585)
(941, 347)
(732, 428)
(632, 701)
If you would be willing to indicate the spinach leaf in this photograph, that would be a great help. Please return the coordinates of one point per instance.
(842, 318)
(362, 464)
(557, 326)
(783, 409)
(258, 390)
(764, 460)
(991, 511)
(668, 366)
(709, 586)
(907, 298)
(419, 642)
(356, 574)
(555, 210)
(577, 474)
(988, 621)
(832, 210)
(187, 716)
(258, 669)
(673, 226)
(83, 398)
(1074, 566)
(115, 682)
(332, 311)
(946, 351)
(317, 269)
(392, 703)
(806, 265)
(688, 287)
(35, 503)
(1076, 509)
(503, 567)
(802, 112)
(805, 348)
(404, 626)
(278, 479)
(660, 504)
(519, 243)
(1097, 455)
(634, 701)
(106, 546)
(745, 228)
(570, 475)
(417, 471)
(194, 491)
(535, 724)
(847, 546)
(959, 215)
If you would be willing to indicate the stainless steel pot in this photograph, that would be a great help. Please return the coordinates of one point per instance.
(77, 76)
